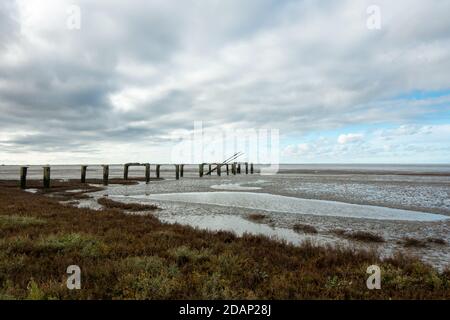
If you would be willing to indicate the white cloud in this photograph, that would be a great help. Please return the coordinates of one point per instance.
(425, 144)
(141, 71)
(301, 149)
(350, 138)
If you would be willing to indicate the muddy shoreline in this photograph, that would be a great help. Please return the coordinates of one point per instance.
(429, 193)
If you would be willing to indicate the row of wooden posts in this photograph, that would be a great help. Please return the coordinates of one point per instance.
(179, 171)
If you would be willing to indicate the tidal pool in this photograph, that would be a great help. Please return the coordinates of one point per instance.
(277, 203)
(233, 187)
(239, 226)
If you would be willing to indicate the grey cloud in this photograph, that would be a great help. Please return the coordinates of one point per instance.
(301, 66)
(9, 25)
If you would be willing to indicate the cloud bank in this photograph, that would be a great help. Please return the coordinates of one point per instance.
(137, 74)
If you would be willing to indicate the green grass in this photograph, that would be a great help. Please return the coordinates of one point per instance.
(10, 221)
(84, 244)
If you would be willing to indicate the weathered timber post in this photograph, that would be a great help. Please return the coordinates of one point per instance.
(105, 174)
(181, 170)
(233, 168)
(246, 168)
(219, 170)
(125, 171)
(23, 177)
(251, 168)
(200, 170)
(228, 170)
(46, 177)
(158, 167)
(147, 173)
(209, 169)
(83, 174)
(177, 171)
(239, 168)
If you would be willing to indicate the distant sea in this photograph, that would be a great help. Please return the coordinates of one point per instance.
(412, 168)
(11, 172)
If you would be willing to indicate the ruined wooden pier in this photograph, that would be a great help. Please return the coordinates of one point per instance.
(179, 171)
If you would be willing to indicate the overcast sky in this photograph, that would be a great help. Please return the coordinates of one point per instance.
(137, 74)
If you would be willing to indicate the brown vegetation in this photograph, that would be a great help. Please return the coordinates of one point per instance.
(305, 228)
(422, 243)
(111, 204)
(437, 241)
(258, 217)
(412, 242)
(363, 236)
(338, 232)
(138, 257)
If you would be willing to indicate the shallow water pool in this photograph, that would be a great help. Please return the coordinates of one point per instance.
(277, 203)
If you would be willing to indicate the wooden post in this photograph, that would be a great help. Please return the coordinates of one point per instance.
(83, 174)
(181, 170)
(177, 171)
(147, 173)
(246, 168)
(125, 171)
(219, 170)
(209, 169)
(105, 174)
(251, 168)
(46, 177)
(158, 166)
(239, 168)
(233, 168)
(200, 170)
(23, 177)
(228, 170)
